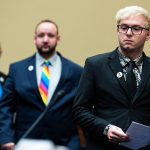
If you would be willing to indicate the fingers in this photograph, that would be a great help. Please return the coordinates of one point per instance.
(116, 135)
(8, 146)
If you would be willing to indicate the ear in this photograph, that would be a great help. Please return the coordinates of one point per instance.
(34, 39)
(148, 35)
(59, 38)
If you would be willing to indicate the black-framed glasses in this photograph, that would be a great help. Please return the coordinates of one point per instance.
(136, 30)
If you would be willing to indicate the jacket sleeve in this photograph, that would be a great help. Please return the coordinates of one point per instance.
(83, 108)
(7, 109)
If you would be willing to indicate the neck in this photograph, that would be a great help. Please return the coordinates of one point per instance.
(131, 53)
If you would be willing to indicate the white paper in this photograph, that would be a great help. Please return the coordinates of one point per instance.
(139, 136)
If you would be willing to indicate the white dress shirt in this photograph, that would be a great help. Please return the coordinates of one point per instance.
(55, 72)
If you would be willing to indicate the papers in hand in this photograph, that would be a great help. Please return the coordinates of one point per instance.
(139, 136)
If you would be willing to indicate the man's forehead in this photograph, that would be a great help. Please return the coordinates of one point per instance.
(46, 27)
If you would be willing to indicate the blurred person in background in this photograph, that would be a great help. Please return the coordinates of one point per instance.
(42, 80)
(2, 77)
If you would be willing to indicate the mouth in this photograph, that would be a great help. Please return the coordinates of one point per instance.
(128, 41)
(45, 47)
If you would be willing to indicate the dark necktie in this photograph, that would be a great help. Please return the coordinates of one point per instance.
(131, 80)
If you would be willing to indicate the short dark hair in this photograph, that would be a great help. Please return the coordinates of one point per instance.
(49, 21)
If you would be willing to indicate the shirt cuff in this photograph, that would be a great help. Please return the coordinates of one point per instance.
(107, 128)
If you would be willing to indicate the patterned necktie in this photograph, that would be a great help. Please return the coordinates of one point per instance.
(44, 83)
(131, 80)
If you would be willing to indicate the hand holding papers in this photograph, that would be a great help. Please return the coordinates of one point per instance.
(139, 136)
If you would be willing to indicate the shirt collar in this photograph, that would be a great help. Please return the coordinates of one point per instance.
(40, 60)
(125, 60)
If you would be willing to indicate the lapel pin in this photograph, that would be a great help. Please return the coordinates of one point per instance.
(1, 79)
(30, 68)
(119, 74)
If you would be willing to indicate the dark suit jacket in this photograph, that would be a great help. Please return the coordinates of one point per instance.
(21, 95)
(102, 99)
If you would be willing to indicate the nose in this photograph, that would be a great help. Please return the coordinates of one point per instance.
(45, 39)
(129, 32)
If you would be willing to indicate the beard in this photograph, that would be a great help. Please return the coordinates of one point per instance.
(46, 52)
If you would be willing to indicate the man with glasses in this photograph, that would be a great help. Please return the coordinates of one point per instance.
(114, 89)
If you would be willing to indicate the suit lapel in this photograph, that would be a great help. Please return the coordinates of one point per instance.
(31, 67)
(116, 68)
(144, 77)
(64, 74)
(31, 72)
